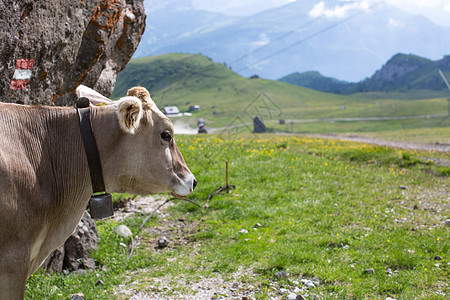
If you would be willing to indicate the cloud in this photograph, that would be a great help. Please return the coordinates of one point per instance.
(447, 7)
(339, 11)
(395, 23)
(263, 40)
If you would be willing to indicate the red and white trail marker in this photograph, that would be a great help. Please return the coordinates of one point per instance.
(22, 74)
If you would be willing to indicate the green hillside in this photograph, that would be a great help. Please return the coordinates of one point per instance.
(185, 79)
(316, 81)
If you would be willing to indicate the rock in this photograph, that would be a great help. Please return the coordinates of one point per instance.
(163, 242)
(316, 281)
(77, 297)
(88, 263)
(64, 44)
(388, 271)
(82, 242)
(54, 262)
(402, 187)
(280, 275)
(284, 291)
(76, 249)
(437, 257)
(291, 296)
(99, 282)
(243, 231)
(123, 231)
(257, 225)
(447, 222)
(308, 283)
(79, 272)
(369, 271)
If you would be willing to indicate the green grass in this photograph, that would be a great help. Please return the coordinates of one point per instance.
(312, 197)
(420, 136)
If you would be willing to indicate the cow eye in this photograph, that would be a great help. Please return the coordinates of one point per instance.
(166, 136)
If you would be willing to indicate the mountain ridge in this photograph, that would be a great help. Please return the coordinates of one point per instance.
(401, 73)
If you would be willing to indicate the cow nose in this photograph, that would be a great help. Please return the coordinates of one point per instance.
(195, 184)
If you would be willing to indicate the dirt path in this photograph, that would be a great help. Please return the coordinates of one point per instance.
(356, 138)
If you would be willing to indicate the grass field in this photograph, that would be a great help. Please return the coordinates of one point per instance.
(421, 136)
(366, 222)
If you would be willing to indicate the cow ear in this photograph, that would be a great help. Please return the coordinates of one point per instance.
(94, 97)
(129, 114)
(143, 94)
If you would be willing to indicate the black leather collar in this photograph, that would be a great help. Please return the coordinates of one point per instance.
(90, 145)
(101, 205)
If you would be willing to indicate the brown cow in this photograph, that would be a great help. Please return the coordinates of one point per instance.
(44, 175)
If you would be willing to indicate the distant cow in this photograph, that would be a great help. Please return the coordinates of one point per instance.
(44, 175)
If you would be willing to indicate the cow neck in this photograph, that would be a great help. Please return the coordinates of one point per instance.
(101, 205)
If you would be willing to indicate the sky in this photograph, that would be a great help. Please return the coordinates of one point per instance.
(438, 11)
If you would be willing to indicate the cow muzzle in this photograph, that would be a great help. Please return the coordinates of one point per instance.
(185, 187)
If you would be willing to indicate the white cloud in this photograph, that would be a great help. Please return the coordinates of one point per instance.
(317, 10)
(339, 11)
(263, 40)
(395, 23)
(447, 7)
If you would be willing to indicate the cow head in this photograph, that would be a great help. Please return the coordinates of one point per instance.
(143, 157)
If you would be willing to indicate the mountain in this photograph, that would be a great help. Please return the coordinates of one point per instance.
(407, 72)
(401, 73)
(316, 81)
(347, 40)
